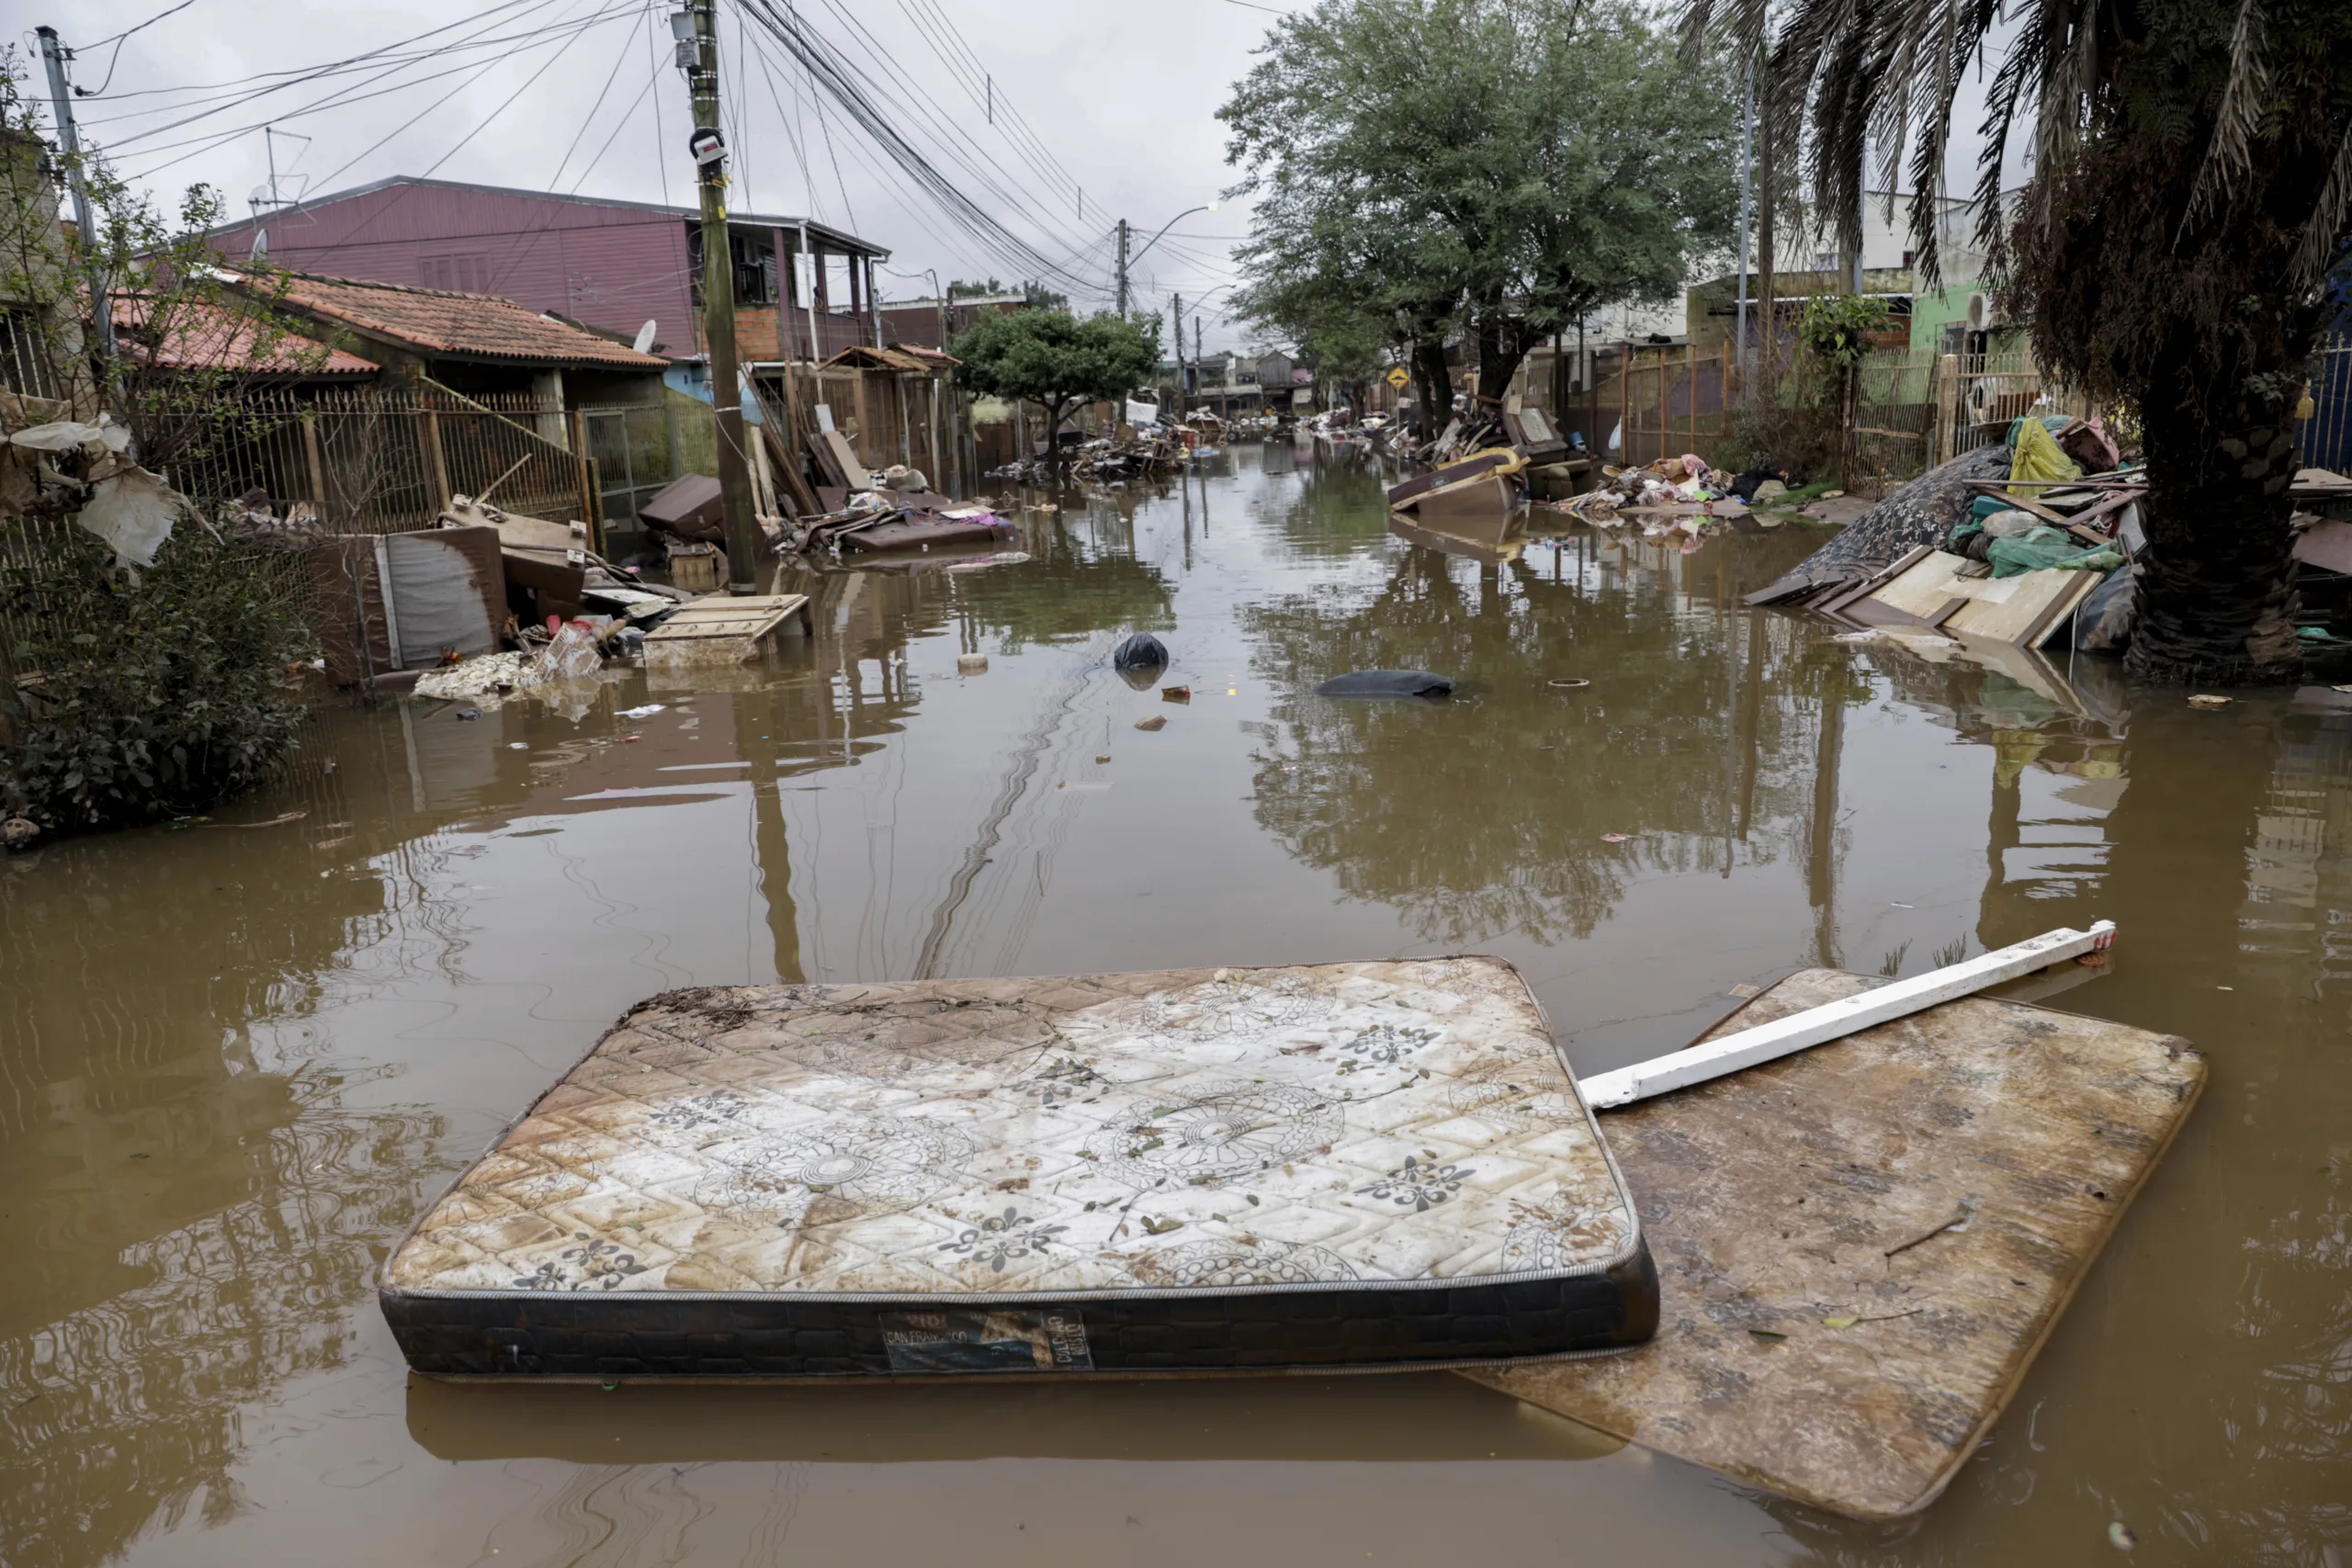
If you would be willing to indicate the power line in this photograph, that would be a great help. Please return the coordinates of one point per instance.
(383, 62)
(347, 96)
(828, 69)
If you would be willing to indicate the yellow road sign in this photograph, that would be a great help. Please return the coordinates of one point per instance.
(1397, 379)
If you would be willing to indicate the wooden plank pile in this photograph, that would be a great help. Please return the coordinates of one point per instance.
(1947, 592)
(1927, 589)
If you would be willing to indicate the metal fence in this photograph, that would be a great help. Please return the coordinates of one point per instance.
(2327, 434)
(382, 460)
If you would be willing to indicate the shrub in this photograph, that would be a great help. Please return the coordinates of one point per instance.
(148, 698)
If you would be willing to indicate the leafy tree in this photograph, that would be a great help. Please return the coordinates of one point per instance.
(156, 698)
(1499, 168)
(1056, 360)
(2191, 193)
(156, 694)
(1837, 336)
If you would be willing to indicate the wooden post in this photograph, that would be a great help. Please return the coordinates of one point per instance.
(1947, 408)
(592, 509)
(1690, 376)
(435, 460)
(938, 463)
(312, 460)
(1625, 401)
(864, 442)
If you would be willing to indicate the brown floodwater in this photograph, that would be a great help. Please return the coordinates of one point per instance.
(237, 1057)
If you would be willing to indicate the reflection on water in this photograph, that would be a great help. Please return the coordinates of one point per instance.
(235, 1060)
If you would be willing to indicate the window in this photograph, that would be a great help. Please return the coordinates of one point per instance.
(24, 360)
(754, 257)
(751, 260)
(466, 273)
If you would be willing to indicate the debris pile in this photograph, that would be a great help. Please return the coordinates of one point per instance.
(1153, 449)
(876, 520)
(1674, 494)
(2018, 552)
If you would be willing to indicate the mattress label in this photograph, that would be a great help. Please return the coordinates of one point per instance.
(952, 1341)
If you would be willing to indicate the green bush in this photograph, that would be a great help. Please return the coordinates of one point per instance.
(141, 700)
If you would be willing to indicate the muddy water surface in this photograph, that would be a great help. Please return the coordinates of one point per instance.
(236, 1058)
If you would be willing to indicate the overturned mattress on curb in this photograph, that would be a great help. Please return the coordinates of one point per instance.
(1344, 1164)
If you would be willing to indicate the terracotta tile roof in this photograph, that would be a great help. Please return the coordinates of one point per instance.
(436, 321)
(209, 337)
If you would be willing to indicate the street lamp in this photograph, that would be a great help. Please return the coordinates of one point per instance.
(1127, 259)
(1208, 206)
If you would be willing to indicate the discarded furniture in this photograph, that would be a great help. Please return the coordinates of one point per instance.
(724, 628)
(688, 507)
(1342, 1165)
(1862, 1247)
(387, 602)
(1408, 493)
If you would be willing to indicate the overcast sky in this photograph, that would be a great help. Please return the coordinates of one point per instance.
(1118, 103)
(1104, 109)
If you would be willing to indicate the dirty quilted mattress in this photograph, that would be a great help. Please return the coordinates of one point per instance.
(1354, 1164)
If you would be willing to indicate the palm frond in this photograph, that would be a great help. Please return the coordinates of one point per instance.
(2229, 157)
(2321, 240)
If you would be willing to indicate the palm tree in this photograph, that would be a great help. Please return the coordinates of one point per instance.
(2191, 195)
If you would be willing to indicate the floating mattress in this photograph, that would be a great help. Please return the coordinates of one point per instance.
(1348, 1165)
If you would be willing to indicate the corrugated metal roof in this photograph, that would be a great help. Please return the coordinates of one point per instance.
(438, 321)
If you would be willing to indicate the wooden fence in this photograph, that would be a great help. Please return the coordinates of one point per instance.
(889, 417)
(1916, 409)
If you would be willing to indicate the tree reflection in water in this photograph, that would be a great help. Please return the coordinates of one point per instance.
(1487, 815)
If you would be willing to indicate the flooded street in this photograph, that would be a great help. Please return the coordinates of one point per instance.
(237, 1059)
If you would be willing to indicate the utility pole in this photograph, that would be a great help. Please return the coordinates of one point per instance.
(1123, 269)
(61, 97)
(1176, 309)
(718, 295)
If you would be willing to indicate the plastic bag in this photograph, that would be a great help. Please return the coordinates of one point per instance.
(572, 656)
(2046, 548)
(2038, 456)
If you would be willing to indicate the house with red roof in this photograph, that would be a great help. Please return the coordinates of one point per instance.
(474, 343)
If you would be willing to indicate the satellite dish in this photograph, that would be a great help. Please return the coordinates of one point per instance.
(644, 342)
(261, 245)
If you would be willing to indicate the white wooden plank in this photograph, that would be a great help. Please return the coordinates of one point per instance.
(1837, 1019)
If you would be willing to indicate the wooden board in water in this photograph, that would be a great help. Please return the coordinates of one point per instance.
(722, 628)
(1786, 1198)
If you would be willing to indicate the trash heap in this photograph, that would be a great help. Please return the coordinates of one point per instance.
(1107, 461)
(880, 519)
(1681, 494)
(2063, 512)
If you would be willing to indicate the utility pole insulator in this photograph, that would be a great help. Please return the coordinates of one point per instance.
(709, 150)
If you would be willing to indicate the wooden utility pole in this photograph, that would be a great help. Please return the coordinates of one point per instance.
(1123, 269)
(718, 300)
